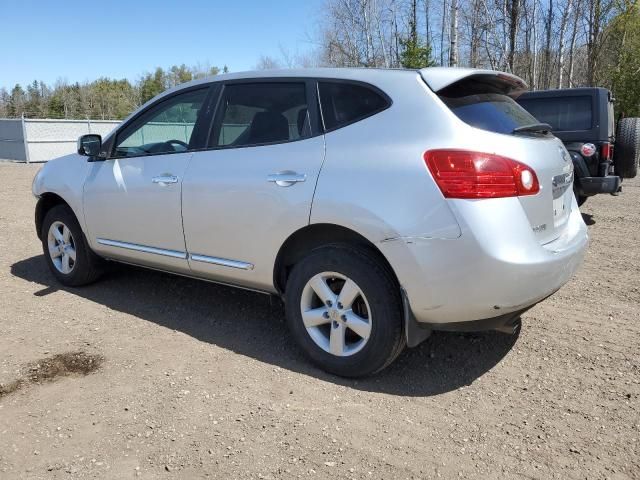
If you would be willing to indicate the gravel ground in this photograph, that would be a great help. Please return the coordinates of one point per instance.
(195, 380)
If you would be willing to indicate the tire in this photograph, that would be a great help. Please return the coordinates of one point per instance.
(627, 147)
(69, 241)
(377, 308)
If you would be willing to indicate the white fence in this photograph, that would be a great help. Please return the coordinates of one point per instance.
(41, 139)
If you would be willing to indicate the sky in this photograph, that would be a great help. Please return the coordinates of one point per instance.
(83, 40)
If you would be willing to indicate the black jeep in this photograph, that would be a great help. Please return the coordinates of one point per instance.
(583, 119)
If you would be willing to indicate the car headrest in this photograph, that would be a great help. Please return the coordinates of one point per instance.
(268, 127)
(302, 121)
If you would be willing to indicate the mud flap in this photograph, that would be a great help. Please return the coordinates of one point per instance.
(415, 332)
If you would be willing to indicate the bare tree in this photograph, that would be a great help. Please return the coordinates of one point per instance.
(442, 37)
(561, 47)
(514, 20)
(267, 63)
(453, 50)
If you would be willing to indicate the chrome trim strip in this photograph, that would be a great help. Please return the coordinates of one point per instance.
(225, 262)
(142, 248)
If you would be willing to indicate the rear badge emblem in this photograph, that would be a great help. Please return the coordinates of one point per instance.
(540, 228)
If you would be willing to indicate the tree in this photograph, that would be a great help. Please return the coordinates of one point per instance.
(103, 98)
(624, 34)
(17, 100)
(414, 53)
(267, 63)
(152, 84)
(4, 103)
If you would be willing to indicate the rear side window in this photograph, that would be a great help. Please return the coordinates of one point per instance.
(261, 113)
(345, 103)
(563, 114)
(494, 112)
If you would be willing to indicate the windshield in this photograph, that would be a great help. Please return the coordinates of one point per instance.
(563, 114)
(490, 111)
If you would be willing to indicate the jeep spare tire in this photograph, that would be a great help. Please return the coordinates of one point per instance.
(627, 147)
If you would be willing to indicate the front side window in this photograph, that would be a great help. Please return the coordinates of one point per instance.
(261, 113)
(165, 128)
(345, 103)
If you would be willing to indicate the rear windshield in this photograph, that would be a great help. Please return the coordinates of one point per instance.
(563, 114)
(489, 111)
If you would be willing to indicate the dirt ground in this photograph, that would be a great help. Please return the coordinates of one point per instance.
(195, 380)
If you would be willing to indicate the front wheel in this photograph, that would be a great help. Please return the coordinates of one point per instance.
(69, 257)
(344, 309)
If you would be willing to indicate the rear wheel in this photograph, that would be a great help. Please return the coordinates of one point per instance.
(344, 309)
(69, 257)
(627, 148)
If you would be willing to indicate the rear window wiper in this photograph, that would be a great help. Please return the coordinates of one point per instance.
(533, 127)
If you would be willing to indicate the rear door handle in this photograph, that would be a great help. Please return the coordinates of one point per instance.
(165, 179)
(287, 178)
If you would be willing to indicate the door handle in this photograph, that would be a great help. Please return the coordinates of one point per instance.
(287, 178)
(165, 179)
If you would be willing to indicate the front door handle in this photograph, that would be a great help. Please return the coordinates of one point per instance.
(165, 179)
(287, 178)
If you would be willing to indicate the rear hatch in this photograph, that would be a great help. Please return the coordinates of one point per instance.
(484, 99)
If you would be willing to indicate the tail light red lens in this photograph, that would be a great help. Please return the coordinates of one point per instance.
(607, 151)
(467, 174)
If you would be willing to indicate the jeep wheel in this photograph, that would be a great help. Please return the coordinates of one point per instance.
(344, 309)
(627, 148)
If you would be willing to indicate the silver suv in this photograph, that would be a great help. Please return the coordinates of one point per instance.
(379, 204)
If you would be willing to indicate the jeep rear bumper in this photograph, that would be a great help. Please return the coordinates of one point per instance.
(588, 186)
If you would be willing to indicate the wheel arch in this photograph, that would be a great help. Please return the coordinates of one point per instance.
(46, 202)
(316, 235)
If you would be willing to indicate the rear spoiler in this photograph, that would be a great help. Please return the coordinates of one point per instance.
(442, 79)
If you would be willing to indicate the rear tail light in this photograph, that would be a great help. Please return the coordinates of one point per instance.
(466, 174)
(606, 151)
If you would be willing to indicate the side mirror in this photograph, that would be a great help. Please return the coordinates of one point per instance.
(89, 145)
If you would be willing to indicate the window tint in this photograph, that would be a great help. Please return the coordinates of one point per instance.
(489, 111)
(563, 114)
(259, 113)
(165, 128)
(344, 103)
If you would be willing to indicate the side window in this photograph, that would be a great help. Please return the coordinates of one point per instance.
(261, 113)
(563, 114)
(164, 128)
(345, 103)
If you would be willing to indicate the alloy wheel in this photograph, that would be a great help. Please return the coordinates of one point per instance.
(336, 313)
(62, 247)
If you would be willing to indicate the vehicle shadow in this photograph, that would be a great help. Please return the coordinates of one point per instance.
(588, 219)
(251, 324)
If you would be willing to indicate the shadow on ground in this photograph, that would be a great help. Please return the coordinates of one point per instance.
(251, 324)
(588, 219)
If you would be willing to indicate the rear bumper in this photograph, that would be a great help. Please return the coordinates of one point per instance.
(593, 185)
(490, 271)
